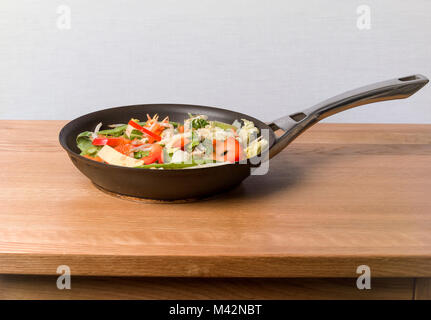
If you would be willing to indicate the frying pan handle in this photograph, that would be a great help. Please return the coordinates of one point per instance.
(296, 123)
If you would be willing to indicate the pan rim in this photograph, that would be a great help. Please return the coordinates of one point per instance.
(62, 139)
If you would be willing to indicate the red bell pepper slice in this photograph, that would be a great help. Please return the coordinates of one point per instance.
(112, 142)
(181, 142)
(137, 126)
(229, 150)
(156, 154)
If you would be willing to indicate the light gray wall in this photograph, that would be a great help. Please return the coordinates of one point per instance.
(264, 58)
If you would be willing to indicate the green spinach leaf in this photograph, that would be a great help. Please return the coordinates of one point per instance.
(199, 123)
(140, 154)
(83, 141)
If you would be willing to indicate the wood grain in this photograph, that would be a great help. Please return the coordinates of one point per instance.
(338, 197)
(422, 288)
(44, 287)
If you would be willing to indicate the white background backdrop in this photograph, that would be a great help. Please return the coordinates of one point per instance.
(264, 58)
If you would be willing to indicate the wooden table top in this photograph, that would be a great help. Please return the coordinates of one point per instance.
(340, 196)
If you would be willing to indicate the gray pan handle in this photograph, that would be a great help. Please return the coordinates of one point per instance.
(296, 123)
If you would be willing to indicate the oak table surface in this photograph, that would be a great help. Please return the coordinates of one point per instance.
(340, 196)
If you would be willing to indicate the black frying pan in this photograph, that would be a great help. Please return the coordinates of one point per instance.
(194, 183)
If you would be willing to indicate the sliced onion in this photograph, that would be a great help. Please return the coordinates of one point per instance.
(96, 130)
(136, 142)
(167, 125)
(115, 125)
(144, 147)
(152, 126)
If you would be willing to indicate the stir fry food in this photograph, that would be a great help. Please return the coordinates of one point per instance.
(164, 144)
